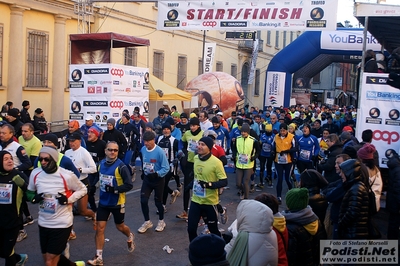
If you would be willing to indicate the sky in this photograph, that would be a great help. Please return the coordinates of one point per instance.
(345, 10)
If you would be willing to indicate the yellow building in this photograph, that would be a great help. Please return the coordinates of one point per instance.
(34, 50)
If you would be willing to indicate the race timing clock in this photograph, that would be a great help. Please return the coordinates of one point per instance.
(240, 35)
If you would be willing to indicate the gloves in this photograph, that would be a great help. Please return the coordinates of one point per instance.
(110, 189)
(18, 180)
(180, 154)
(252, 158)
(62, 199)
(38, 198)
(204, 184)
(152, 176)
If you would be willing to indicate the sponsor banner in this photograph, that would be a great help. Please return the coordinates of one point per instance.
(209, 55)
(247, 15)
(377, 252)
(253, 62)
(104, 90)
(380, 112)
(275, 88)
(347, 40)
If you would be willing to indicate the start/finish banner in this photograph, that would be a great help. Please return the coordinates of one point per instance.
(380, 112)
(247, 15)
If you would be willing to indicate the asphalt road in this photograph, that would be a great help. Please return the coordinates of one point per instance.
(149, 246)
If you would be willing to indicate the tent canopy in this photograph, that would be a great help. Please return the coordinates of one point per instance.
(161, 91)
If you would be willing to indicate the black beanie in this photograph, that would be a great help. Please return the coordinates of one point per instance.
(208, 141)
(166, 125)
(283, 126)
(194, 121)
(245, 128)
(52, 138)
(207, 249)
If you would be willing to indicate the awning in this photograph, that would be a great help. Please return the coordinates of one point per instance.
(161, 91)
(116, 40)
(340, 93)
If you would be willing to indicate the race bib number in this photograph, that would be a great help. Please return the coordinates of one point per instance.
(198, 190)
(243, 158)
(49, 204)
(305, 155)
(218, 142)
(105, 180)
(282, 159)
(266, 147)
(6, 193)
(148, 168)
(192, 146)
(166, 152)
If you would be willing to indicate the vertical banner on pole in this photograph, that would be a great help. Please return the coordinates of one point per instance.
(209, 54)
(105, 90)
(253, 61)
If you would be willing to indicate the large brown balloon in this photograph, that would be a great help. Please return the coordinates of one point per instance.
(217, 88)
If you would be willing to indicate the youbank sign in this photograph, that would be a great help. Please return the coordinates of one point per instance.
(347, 40)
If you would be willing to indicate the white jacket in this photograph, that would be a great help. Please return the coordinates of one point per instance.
(256, 218)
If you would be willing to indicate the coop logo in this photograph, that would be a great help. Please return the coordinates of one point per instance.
(95, 103)
(211, 24)
(117, 72)
(96, 71)
(117, 104)
(386, 136)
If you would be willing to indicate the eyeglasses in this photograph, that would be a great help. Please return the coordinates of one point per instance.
(46, 159)
(112, 150)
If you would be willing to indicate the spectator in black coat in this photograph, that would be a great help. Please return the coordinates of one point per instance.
(353, 215)
(393, 196)
(328, 165)
(332, 127)
(315, 182)
(39, 122)
(25, 116)
(317, 129)
(305, 229)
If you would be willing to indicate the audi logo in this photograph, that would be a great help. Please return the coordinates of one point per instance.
(116, 104)
(117, 72)
(209, 23)
(386, 136)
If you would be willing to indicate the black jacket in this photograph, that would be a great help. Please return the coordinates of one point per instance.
(353, 216)
(25, 116)
(393, 187)
(329, 165)
(118, 137)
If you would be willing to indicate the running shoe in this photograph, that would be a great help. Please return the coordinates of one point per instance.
(205, 230)
(66, 251)
(28, 220)
(183, 216)
(131, 242)
(174, 195)
(95, 261)
(72, 235)
(261, 185)
(270, 185)
(160, 226)
(251, 188)
(279, 200)
(224, 216)
(80, 263)
(23, 260)
(22, 235)
(146, 225)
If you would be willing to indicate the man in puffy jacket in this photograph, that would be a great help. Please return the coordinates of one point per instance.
(393, 195)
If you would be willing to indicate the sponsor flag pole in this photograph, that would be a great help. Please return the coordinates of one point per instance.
(365, 32)
(204, 48)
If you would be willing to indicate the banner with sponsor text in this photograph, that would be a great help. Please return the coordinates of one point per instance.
(247, 15)
(380, 112)
(209, 55)
(105, 90)
(275, 88)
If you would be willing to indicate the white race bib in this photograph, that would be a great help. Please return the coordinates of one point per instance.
(105, 180)
(305, 155)
(243, 158)
(198, 190)
(148, 168)
(192, 146)
(266, 147)
(282, 159)
(49, 204)
(6, 193)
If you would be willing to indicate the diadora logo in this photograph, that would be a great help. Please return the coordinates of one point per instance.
(209, 24)
(117, 104)
(117, 72)
(386, 136)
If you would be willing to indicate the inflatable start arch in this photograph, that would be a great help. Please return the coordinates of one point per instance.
(309, 45)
